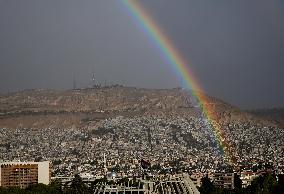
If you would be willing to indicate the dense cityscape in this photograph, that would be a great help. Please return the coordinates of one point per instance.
(131, 140)
(172, 145)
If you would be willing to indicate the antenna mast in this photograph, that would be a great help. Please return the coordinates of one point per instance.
(74, 82)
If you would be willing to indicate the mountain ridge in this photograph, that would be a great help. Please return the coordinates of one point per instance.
(76, 107)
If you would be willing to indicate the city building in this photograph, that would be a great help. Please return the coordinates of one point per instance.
(23, 174)
(224, 180)
(247, 177)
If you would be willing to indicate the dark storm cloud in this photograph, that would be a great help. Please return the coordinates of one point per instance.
(236, 48)
(44, 42)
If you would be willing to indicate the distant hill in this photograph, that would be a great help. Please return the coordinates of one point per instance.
(275, 114)
(37, 108)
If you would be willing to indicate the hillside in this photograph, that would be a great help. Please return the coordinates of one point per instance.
(38, 108)
(76, 128)
(275, 114)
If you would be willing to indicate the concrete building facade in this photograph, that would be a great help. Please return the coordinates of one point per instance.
(23, 174)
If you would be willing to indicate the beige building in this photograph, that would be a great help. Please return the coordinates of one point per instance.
(23, 174)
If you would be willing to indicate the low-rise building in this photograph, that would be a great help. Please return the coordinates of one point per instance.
(247, 177)
(224, 180)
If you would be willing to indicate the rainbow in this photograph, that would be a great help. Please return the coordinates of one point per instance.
(181, 67)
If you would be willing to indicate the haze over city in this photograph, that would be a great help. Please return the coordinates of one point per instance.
(235, 49)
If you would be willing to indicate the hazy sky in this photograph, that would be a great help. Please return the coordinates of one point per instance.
(234, 47)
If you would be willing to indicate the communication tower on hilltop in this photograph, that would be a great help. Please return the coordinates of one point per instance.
(74, 82)
(94, 84)
(93, 80)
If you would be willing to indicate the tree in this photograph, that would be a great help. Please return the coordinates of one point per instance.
(264, 184)
(56, 187)
(206, 185)
(280, 187)
(78, 186)
(14, 190)
(237, 182)
(39, 189)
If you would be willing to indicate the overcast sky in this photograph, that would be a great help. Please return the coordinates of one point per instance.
(234, 47)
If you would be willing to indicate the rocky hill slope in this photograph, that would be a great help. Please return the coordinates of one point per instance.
(275, 114)
(42, 108)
